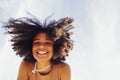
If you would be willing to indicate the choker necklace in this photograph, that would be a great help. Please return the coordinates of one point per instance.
(35, 70)
(43, 74)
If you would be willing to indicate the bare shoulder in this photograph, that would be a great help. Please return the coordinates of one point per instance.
(63, 65)
(24, 70)
(64, 71)
(27, 66)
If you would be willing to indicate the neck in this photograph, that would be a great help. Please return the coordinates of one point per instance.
(41, 65)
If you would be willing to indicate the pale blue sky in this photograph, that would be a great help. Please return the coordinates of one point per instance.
(96, 54)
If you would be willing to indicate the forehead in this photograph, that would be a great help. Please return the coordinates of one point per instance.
(42, 35)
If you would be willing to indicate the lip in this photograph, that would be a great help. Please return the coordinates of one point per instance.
(42, 53)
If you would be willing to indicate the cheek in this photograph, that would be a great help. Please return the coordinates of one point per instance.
(51, 49)
(52, 53)
(33, 49)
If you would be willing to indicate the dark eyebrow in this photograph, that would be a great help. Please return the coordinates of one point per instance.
(46, 39)
(36, 39)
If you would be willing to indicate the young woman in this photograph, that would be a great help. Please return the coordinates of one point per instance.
(43, 46)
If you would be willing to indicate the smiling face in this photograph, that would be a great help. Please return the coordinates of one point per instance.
(42, 48)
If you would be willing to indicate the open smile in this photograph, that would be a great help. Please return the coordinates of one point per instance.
(42, 53)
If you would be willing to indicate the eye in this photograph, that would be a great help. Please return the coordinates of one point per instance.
(36, 43)
(48, 43)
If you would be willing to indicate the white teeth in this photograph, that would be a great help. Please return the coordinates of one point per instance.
(41, 52)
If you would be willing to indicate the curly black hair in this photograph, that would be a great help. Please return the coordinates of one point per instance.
(23, 30)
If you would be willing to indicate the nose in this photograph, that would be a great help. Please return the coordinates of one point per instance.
(42, 46)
